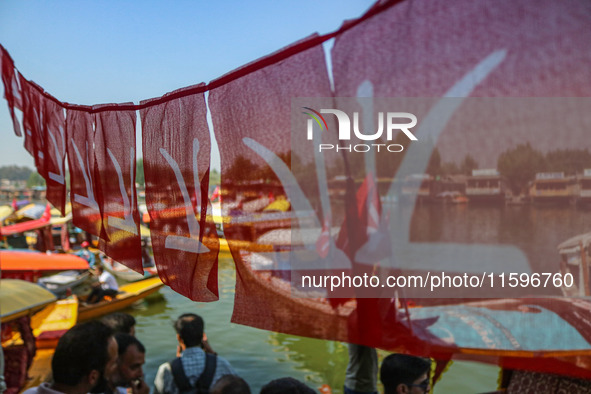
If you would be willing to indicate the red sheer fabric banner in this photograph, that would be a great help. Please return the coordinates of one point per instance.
(176, 148)
(252, 123)
(511, 51)
(470, 49)
(84, 186)
(33, 122)
(45, 140)
(12, 92)
(115, 157)
(54, 154)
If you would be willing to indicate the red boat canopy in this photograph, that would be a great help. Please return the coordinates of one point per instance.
(28, 225)
(33, 261)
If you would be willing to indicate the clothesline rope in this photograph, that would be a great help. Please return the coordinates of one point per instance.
(256, 65)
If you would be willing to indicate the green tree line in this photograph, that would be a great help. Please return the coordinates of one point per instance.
(15, 173)
(521, 164)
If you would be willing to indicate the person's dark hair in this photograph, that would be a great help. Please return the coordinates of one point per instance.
(190, 326)
(286, 386)
(119, 322)
(125, 340)
(80, 350)
(230, 384)
(402, 368)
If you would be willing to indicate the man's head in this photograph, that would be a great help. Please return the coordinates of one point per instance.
(401, 373)
(286, 386)
(85, 356)
(230, 384)
(189, 329)
(99, 269)
(130, 361)
(119, 322)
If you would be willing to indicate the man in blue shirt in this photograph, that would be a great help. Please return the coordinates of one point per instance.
(193, 367)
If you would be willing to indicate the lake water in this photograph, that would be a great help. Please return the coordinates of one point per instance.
(260, 356)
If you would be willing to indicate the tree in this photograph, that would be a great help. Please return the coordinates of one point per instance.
(139, 172)
(15, 173)
(468, 164)
(520, 165)
(214, 178)
(434, 166)
(242, 169)
(569, 161)
(35, 180)
(449, 168)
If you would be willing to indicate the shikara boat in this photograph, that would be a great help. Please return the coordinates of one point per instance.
(30, 265)
(530, 339)
(574, 254)
(60, 284)
(127, 274)
(48, 327)
(31, 318)
(128, 294)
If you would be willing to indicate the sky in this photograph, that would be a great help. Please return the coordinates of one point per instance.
(93, 52)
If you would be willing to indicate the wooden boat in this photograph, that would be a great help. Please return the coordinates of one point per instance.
(128, 294)
(33, 224)
(20, 298)
(48, 327)
(451, 197)
(30, 314)
(486, 186)
(59, 284)
(574, 254)
(126, 274)
(30, 265)
(5, 211)
(553, 187)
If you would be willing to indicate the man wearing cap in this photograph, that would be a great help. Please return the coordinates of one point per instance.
(86, 254)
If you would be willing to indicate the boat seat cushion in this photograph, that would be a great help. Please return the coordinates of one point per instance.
(16, 360)
(526, 382)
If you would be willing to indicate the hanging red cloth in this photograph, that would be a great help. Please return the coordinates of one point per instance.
(84, 186)
(115, 155)
(177, 151)
(12, 92)
(252, 122)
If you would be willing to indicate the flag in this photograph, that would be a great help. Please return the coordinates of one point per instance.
(12, 92)
(33, 122)
(252, 122)
(54, 154)
(84, 186)
(176, 147)
(115, 155)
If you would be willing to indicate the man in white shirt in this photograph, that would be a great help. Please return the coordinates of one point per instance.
(106, 286)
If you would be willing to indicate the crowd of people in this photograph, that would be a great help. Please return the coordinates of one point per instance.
(105, 357)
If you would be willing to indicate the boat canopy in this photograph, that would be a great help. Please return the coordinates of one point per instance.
(572, 245)
(20, 298)
(26, 261)
(29, 225)
(5, 211)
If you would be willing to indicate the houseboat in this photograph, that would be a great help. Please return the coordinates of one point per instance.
(486, 186)
(553, 187)
(584, 189)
